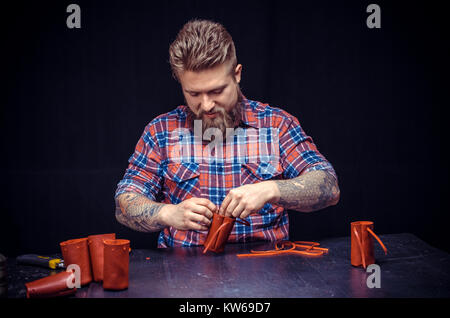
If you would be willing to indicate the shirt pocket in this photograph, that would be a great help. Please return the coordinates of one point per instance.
(182, 181)
(260, 171)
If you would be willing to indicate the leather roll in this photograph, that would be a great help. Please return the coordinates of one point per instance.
(76, 251)
(219, 231)
(116, 264)
(362, 250)
(361, 244)
(95, 243)
(51, 286)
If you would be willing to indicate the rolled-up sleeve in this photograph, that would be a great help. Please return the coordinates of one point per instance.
(298, 153)
(143, 172)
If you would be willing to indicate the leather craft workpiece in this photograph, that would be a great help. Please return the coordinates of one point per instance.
(362, 243)
(116, 261)
(51, 286)
(76, 251)
(219, 232)
(95, 243)
(101, 256)
(303, 248)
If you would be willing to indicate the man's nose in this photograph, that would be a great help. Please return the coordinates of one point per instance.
(207, 104)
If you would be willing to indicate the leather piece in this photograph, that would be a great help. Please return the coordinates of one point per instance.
(76, 251)
(51, 286)
(219, 231)
(361, 253)
(303, 248)
(116, 264)
(96, 247)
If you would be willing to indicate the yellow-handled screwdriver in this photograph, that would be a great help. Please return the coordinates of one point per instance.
(42, 261)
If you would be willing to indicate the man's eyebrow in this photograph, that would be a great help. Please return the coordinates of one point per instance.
(212, 90)
(218, 88)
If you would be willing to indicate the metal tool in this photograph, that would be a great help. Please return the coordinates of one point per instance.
(42, 261)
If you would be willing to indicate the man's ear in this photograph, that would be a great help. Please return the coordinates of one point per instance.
(237, 73)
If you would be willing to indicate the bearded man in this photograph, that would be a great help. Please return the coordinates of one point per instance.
(261, 163)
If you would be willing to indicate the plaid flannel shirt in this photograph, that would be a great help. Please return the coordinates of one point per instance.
(171, 163)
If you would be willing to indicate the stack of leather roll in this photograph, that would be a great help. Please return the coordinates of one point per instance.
(99, 258)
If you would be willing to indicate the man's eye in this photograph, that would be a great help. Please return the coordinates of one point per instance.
(217, 92)
(193, 94)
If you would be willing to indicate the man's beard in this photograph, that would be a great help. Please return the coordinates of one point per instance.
(223, 119)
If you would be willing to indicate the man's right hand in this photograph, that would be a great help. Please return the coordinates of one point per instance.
(191, 214)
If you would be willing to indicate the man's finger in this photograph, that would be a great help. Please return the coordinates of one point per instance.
(238, 210)
(231, 207)
(224, 205)
(205, 202)
(245, 213)
(200, 209)
(193, 216)
(196, 226)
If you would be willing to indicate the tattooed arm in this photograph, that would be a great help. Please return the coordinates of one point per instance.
(139, 213)
(312, 191)
(309, 192)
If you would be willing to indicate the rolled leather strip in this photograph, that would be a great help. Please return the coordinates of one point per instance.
(303, 248)
(116, 264)
(76, 251)
(51, 286)
(219, 231)
(95, 243)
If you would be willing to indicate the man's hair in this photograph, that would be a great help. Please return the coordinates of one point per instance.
(200, 45)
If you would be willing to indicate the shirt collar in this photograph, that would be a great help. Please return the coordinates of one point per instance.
(249, 114)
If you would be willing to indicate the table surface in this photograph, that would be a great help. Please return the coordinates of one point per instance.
(411, 268)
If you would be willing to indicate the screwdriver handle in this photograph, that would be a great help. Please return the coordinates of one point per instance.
(42, 261)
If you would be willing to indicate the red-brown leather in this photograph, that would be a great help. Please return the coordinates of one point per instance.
(303, 248)
(116, 264)
(51, 286)
(362, 244)
(76, 251)
(95, 243)
(219, 231)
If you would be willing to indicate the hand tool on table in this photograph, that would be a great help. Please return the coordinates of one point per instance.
(42, 261)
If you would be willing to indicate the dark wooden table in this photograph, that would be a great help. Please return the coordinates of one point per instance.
(412, 268)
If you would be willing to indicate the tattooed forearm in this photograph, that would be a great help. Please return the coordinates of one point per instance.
(138, 212)
(312, 191)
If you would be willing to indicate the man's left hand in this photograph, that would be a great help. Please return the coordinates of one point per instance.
(250, 198)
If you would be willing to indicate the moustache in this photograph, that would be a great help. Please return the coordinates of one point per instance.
(215, 110)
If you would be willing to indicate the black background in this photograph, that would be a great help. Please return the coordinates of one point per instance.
(74, 102)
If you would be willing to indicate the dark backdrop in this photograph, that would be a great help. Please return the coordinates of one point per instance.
(75, 101)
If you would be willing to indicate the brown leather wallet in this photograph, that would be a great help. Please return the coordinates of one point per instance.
(219, 232)
(116, 264)
(51, 286)
(76, 251)
(95, 243)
